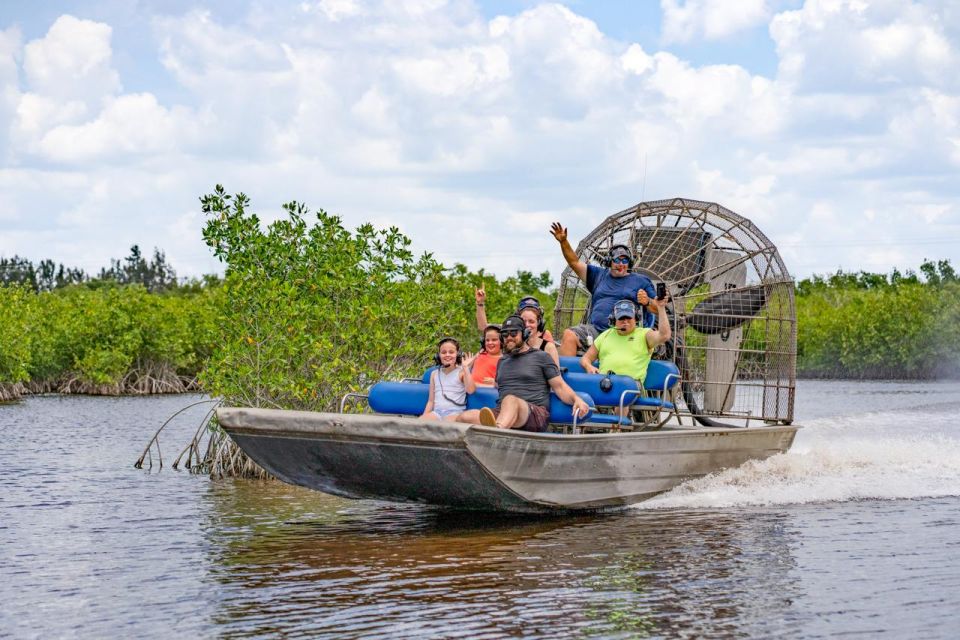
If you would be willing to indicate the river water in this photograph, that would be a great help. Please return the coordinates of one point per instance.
(855, 531)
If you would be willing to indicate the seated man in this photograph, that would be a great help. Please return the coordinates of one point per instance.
(606, 286)
(625, 349)
(524, 379)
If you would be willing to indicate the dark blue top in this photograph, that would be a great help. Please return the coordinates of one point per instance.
(606, 290)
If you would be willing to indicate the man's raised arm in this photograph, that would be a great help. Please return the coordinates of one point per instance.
(579, 267)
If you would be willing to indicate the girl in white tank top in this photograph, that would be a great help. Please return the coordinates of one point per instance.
(449, 384)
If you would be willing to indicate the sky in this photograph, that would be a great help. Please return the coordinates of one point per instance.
(834, 125)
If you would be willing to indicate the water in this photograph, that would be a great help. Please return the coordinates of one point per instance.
(854, 531)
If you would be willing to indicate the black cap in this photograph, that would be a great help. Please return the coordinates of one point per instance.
(513, 323)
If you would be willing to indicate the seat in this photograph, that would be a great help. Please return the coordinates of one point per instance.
(624, 393)
(409, 399)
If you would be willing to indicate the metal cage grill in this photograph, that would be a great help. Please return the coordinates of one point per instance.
(734, 314)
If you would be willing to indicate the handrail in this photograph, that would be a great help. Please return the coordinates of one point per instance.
(352, 394)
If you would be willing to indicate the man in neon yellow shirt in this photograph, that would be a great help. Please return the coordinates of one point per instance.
(624, 348)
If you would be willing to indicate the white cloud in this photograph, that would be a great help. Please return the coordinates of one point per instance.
(687, 20)
(72, 62)
(133, 124)
(852, 46)
(428, 116)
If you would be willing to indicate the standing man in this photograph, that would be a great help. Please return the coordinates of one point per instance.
(525, 378)
(606, 286)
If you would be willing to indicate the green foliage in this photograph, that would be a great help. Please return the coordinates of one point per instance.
(853, 325)
(312, 310)
(93, 338)
(45, 276)
(16, 307)
(155, 275)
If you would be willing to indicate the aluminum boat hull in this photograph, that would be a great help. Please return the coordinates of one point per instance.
(479, 468)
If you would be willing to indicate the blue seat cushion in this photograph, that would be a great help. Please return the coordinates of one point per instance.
(658, 371)
(410, 399)
(404, 398)
(589, 383)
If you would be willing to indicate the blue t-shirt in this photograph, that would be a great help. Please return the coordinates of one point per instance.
(606, 290)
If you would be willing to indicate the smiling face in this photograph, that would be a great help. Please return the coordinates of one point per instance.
(512, 340)
(619, 267)
(448, 354)
(530, 320)
(491, 342)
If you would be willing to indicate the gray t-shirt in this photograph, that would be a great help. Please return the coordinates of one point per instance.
(526, 376)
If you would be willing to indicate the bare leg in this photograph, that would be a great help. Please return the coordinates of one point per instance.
(470, 417)
(513, 413)
(569, 343)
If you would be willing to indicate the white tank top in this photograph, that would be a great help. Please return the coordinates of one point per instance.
(449, 394)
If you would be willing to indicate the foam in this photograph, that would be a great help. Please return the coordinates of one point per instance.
(852, 458)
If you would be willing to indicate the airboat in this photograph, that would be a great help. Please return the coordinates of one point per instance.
(721, 393)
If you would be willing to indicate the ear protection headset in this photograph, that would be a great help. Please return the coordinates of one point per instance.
(513, 323)
(608, 261)
(532, 303)
(483, 336)
(436, 356)
(637, 314)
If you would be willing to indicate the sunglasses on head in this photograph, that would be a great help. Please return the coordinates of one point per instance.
(621, 260)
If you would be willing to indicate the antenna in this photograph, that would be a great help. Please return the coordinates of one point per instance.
(643, 186)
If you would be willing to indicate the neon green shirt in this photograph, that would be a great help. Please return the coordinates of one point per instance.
(624, 355)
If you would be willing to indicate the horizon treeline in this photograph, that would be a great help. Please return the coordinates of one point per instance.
(155, 274)
(308, 310)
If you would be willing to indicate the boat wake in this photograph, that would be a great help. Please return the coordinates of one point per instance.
(885, 456)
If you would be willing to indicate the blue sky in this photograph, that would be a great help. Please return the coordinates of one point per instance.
(833, 124)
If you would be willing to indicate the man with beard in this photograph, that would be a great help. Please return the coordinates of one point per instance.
(525, 378)
(606, 286)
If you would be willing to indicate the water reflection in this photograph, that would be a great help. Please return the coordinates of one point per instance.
(300, 563)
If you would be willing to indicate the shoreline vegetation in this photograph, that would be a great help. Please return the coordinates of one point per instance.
(308, 310)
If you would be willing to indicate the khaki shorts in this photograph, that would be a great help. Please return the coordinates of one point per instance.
(586, 333)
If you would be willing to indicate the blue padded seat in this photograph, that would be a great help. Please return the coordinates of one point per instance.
(405, 398)
(589, 383)
(409, 399)
(658, 372)
(571, 364)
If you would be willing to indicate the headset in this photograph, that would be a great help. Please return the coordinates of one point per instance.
(517, 320)
(483, 336)
(529, 302)
(456, 343)
(608, 260)
(637, 313)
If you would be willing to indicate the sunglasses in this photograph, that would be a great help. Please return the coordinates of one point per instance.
(621, 260)
(506, 333)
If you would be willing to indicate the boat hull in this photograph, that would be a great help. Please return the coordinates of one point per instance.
(479, 468)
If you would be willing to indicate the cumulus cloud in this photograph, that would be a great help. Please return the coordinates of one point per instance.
(851, 46)
(687, 20)
(429, 116)
(72, 62)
